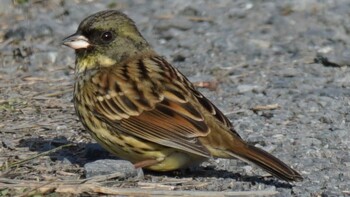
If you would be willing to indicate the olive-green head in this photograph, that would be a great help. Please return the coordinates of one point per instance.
(106, 38)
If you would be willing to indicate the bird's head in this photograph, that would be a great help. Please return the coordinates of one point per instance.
(104, 39)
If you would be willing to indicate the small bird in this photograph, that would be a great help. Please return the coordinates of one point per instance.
(142, 109)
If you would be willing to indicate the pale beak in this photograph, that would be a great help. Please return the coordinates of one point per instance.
(76, 41)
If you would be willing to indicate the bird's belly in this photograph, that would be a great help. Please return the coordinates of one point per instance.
(137, 150)
(177, 160)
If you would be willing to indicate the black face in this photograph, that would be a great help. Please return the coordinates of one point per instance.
(98, 37)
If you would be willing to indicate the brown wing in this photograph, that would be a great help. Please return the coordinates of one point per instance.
(205, 103)
(202, 100)
(211, 108)
(146, 98)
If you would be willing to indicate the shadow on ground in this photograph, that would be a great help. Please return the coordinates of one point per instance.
(82, 153)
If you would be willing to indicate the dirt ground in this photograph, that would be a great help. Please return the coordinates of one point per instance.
(291, 56)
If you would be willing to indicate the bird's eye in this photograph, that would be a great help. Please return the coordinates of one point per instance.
(107, 36)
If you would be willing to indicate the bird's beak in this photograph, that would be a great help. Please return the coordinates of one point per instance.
(76, 41)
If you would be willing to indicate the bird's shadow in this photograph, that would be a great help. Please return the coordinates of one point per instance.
(82, 153)
(205, 172)
(78, 153)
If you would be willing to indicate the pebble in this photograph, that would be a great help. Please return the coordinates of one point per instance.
(110, 166)
(246, 88)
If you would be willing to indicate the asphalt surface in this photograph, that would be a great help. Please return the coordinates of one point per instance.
(258, 52)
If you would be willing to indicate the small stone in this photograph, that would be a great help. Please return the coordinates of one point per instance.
(110, 166)
(246, 88)
(66, 161)
(61, 128)
(190, 11)
(261, 43)
(248, 169)
(325, 50)
(8, 144)
(18, 33)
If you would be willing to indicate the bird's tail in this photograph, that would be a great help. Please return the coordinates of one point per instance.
(266, 161)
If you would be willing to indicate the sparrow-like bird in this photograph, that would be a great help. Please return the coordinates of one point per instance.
(142, 109)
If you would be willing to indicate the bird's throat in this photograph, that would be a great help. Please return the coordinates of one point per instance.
(93, 62)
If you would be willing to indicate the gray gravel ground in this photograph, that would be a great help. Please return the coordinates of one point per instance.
(259, 52)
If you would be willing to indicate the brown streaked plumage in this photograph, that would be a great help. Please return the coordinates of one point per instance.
(139, 107)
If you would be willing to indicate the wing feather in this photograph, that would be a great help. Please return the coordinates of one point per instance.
(149, 99)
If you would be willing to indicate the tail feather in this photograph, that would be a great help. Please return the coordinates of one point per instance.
(266, 161)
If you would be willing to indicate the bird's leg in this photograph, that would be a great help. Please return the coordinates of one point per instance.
(145, 163)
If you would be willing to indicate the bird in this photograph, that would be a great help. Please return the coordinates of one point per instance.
(139, 107)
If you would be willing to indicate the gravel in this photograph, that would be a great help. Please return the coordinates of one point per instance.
(259, 52)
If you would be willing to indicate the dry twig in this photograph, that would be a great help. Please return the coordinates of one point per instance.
(18, 163)
(71, 187)
(266, 107)
(210, 85)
